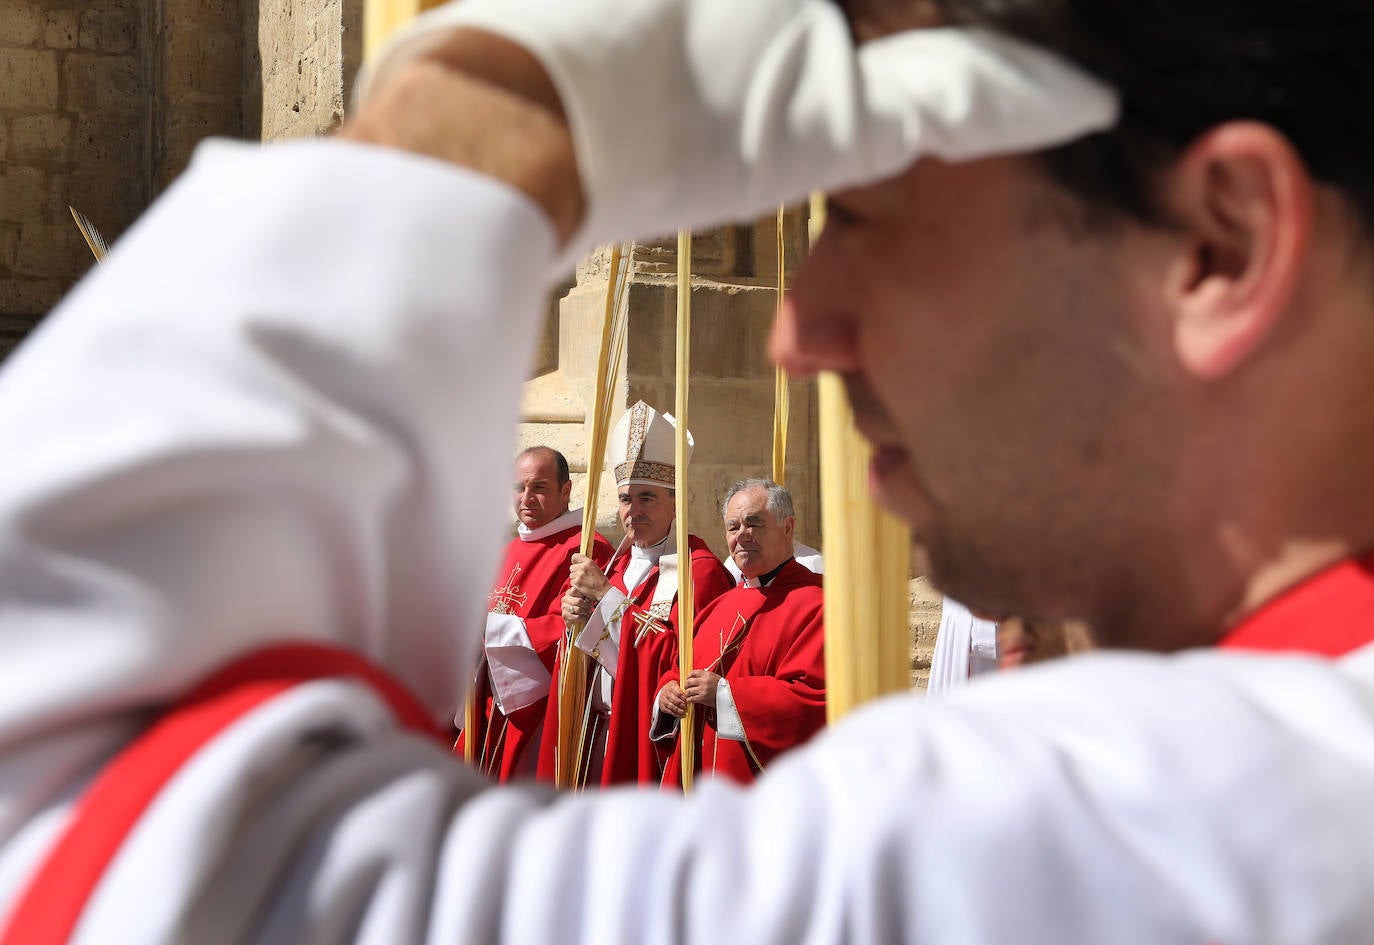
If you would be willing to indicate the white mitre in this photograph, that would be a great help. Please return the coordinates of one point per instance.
(643, 448)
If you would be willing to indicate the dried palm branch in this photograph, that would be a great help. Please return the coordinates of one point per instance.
(573, 691)
(781, 398)
(99, 248)
(686, 613)
(867, 558)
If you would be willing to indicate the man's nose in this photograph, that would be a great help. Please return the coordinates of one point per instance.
(814, 330)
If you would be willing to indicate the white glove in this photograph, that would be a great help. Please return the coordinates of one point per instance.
(686, 113)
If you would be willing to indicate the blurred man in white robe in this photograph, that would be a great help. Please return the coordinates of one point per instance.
(1105, 286)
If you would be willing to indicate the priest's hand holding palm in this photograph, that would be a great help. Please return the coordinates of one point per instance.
(672, 700)
(576, 608)
(587, 579)
(701, 687)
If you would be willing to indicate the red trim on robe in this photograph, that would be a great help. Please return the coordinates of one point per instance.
(51, 905)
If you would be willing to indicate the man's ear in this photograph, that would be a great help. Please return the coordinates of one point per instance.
(789, 525)
(566, 489)
(1244, 197)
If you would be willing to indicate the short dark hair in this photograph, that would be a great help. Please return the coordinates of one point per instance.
(1183, 66)
(559, 460)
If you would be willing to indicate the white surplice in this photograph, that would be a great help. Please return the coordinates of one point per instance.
(965, 646)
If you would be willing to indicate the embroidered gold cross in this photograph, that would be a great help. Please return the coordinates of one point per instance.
(508, 598)
(646, 621)
(737, 632)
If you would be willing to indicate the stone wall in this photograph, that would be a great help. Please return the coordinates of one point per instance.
(102, 104)
(74, 129)
(197, 80)
(925, 603)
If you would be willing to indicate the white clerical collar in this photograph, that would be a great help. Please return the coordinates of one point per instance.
(569, 519)
(652, 553)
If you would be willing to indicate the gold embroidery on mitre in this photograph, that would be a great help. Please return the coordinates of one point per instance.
(508, 598)
(665, 473)
(639, 423)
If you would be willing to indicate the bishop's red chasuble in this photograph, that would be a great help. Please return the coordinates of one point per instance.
(648, 649)
(648, 644)
(768, 644)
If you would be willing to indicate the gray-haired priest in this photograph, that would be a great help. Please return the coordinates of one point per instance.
(758, 651)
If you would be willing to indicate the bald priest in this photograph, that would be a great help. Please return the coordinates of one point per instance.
(758, 651)
(525, 621)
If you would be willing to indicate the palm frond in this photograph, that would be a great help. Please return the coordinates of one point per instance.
(99, 248)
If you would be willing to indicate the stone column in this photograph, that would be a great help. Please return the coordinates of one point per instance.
(297, 68)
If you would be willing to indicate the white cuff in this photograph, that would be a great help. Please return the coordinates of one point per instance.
(518, 676)
(982, 656)
(728, 723)
(661, 726)
(600, 638)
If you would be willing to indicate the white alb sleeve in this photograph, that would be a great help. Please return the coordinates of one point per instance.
(258, 421)
(601, 636)
(739, 107)
(1234, 810)
(519, 677)
(728, 723)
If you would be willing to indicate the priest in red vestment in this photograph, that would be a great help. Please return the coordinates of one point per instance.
(758, 651)
(525, 621)
(630, 609)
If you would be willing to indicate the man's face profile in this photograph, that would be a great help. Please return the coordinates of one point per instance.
(993, 358)
(646, 513)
